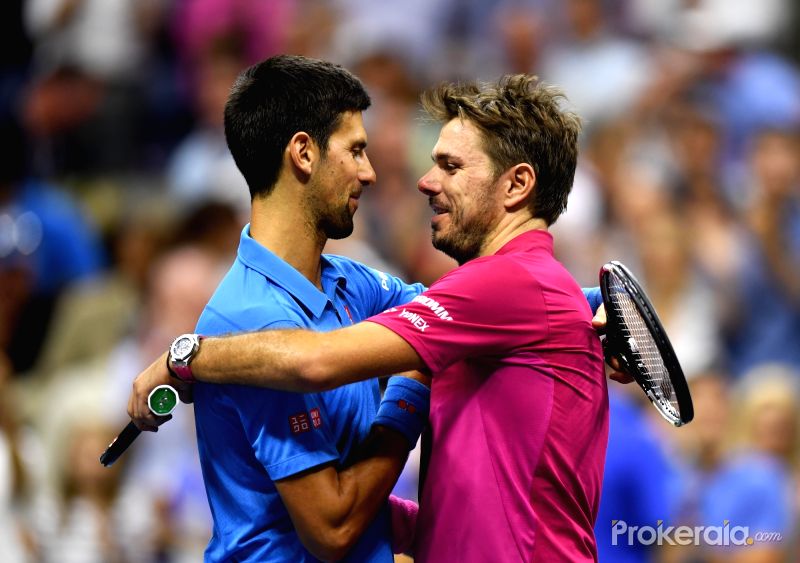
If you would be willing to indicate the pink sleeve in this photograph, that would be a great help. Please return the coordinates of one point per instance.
(404, 523)
(483, 308)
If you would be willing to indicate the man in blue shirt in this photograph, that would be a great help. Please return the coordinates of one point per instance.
(286, 473)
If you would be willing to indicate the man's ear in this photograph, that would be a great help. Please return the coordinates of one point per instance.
(518, 189)
(303, 152)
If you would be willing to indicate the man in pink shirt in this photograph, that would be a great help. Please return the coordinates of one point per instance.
(519, 406)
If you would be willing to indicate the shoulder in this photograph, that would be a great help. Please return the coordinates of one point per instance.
(490, 277)
(247, 300)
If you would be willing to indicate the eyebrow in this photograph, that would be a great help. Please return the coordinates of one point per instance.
(436, 157)
(359, 144)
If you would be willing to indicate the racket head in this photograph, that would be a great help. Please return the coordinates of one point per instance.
(636, 336)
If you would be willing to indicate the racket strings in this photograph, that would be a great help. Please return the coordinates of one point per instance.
(645, 350)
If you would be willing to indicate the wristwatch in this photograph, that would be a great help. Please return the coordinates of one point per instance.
(181, 352)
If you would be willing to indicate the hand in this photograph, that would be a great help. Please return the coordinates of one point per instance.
(156, 374)
(599, 324)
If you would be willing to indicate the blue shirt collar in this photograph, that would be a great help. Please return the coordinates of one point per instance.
(279, 272)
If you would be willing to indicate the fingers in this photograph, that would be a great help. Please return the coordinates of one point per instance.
(138, 409)
(599, 321)
(621, 377)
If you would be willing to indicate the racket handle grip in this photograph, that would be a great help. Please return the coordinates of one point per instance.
(162, 401)
(119, 445)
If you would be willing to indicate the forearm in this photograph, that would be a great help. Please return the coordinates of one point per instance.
(304, 361)
(273, 359)
(367, 483)
(290, 360)
(331, 509)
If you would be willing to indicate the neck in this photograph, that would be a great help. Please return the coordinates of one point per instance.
(282, 227)
(508, 229)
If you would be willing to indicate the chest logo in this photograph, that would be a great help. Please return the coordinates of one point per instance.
(305, 421)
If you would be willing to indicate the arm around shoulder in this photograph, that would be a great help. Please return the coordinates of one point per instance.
(305, 361)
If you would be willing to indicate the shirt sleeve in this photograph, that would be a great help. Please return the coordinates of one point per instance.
(404, 523)
(287, 431)
(484, 308)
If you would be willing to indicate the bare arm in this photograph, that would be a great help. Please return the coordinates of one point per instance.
(290, 360)
(330, 509)
(305, 361)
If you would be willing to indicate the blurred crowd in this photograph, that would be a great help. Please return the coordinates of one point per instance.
(120, 210)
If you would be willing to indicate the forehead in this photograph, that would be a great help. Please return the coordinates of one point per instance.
(351, 127)
(461, 138)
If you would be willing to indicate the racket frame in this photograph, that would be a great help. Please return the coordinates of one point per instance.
(617, 346)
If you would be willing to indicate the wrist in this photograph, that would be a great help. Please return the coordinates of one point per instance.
(404, 408)
(180, 355)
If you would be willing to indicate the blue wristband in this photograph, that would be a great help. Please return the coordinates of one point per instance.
(405, 407)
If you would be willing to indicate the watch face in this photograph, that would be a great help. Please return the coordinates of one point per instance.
(182, 348)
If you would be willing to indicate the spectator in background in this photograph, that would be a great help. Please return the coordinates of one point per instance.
(202, 169)
(89, 517)
(739, 444)
(93, 315)
(767, 284)
(602, 73)
(100, 48)
(699, 192)
(684, 300)
(262, 26)
(754, 486)
(15, 537)
(46, 243)
(179, 283)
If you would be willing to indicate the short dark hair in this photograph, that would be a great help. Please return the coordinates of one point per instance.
(274, 99)
(520, 120)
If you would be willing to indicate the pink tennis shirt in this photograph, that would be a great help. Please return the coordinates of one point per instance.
(519, 409)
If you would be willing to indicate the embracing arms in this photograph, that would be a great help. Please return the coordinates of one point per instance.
(290, 360)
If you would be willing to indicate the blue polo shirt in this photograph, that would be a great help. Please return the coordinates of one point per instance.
(250, 437)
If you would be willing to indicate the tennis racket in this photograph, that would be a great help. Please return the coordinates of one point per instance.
(162, 401)
(635, 336)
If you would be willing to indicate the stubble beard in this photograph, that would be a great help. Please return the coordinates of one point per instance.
(337, 225)
(331, 219)
(465, 240)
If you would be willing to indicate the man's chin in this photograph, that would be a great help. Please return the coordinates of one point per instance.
(339, 231)
(458, 252)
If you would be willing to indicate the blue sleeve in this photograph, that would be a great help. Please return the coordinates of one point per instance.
(594, 297)
(288, 432)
